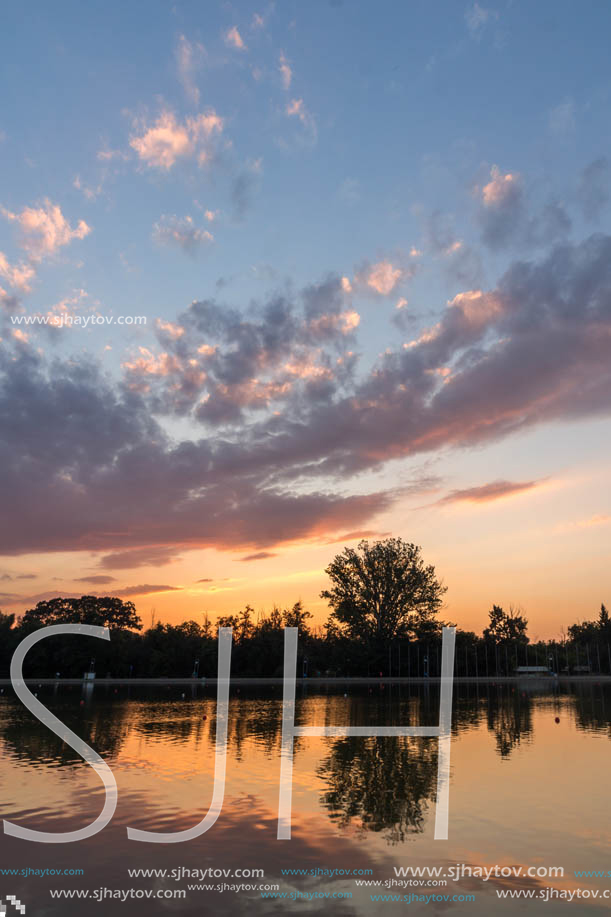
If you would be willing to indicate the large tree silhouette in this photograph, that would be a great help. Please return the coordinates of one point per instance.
(383, 590)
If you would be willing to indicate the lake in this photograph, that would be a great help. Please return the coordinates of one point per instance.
(529, 788)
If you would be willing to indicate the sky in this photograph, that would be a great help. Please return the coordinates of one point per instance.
(278, 277)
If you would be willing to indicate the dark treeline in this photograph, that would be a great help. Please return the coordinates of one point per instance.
(385, 605)
(180, 650)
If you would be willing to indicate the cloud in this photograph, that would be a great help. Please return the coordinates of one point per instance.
(99, 579)
(109, 155)
(26, 576)
(296, 109)
(477, 18)
(44, 230)
(283, 418)
(233, 39)
(206, 579)
(594, 521)
(502, 207)
(154, 556)
(18, 276)
(88, 192)
(588, 523)
(286, 74)
(221, 363)
(189, 59)
(357, 535)
(259, 555)
(243, 189)
(504, 216)
(383, 277)
(183, 233)
(167, 140)
(593, 188)
(145, 589)
(486, 493)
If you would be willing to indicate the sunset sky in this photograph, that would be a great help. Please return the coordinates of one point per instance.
(372, 245)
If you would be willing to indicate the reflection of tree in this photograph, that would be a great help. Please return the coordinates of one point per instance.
(104, 729)
(510, 718)
(592, 707)
(384, 784)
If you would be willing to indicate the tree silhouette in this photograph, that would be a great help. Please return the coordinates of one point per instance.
(506, 627)
(382, 591)
(104, 611)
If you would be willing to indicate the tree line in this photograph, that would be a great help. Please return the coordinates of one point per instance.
(385, 620)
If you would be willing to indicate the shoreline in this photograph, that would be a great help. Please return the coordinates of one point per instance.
(262, 682)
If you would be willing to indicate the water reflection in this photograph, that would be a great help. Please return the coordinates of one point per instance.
(360, 801)
(382, 784)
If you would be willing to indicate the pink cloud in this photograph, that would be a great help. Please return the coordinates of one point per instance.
(500, 187)
(233, 39)
(486, 493)
(189, 58)
(383, 277)
(18, 276)
(168, 140)
(45, 229)
(285, 71)
(296, 109)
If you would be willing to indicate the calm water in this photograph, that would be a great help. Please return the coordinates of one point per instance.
(526, 790)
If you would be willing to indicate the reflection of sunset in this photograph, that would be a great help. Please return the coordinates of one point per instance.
(504, 792)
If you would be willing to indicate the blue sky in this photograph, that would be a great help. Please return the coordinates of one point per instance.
(374, 168)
